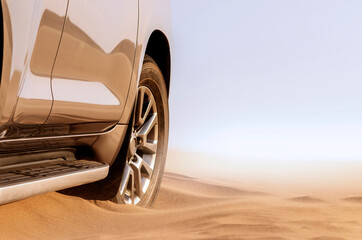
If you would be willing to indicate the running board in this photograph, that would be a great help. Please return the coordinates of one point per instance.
(24, 180)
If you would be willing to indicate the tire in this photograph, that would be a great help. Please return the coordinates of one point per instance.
(147, 150)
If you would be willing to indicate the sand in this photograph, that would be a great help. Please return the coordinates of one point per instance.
(187, 208)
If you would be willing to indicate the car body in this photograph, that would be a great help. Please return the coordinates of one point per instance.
(70, 74)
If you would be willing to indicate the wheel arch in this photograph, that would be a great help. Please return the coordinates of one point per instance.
(154, 39)
(158, 48)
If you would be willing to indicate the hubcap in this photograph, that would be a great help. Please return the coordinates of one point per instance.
(142, 149)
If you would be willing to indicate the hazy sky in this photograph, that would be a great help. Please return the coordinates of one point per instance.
(263, 79)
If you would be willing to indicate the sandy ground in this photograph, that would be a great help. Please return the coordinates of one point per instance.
(187, 208)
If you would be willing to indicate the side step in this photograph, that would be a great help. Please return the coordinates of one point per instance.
(24, 180)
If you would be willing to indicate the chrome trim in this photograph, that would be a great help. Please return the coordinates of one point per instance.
(55, 137)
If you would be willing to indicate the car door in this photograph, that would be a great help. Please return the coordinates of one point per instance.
(32, 32)
(93, 67)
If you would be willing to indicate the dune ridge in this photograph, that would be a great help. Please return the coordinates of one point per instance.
(306, 199)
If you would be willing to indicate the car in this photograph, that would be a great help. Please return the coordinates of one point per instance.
(84, 98)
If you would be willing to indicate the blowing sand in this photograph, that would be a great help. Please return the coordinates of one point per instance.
(187, 208)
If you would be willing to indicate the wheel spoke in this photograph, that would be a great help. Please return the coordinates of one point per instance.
(145, 144)
(127, 187)
(144, 166)
(143, 111)
(148, 147)
(148, 108)
(139, 106)
(132, 188)
(137, 178)
(147, 127)
(138, 166)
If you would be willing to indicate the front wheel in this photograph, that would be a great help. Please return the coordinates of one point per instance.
(146, 155)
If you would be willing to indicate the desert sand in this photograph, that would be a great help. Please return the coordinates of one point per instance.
(187, 208)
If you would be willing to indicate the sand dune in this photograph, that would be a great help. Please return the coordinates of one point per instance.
(187, 208)
(306, 199)
(354, 199)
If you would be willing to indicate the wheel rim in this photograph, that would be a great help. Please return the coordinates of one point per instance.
(141, 156)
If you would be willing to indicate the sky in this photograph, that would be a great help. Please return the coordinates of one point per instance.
(267, 80)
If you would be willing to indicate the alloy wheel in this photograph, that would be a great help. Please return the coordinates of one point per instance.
(141, 156)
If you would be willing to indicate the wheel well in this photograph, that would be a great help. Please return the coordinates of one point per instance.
(159, 49)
